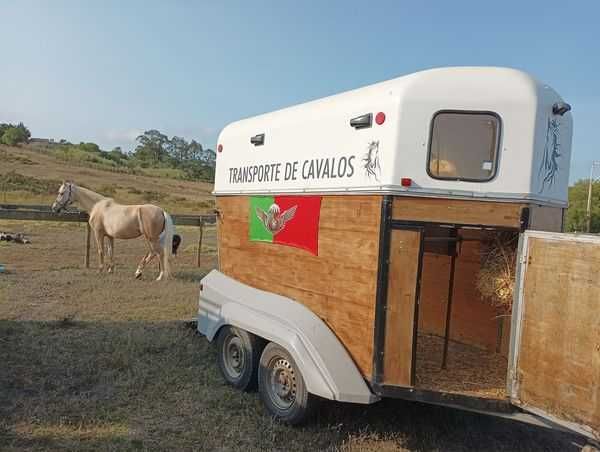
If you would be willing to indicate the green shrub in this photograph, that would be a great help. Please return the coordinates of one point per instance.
(13, 181)
(14, 136)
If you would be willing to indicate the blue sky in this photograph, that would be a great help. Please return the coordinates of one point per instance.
(106, 71)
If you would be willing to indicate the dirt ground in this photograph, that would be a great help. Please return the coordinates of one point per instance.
(93, 361)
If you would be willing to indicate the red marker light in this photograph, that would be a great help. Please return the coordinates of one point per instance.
(220, 148)
(406, 181)
(380, 118)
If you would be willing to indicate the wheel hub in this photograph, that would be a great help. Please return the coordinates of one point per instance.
(234, 356)
(283, 383)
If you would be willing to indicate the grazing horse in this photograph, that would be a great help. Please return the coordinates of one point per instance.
(111, 220)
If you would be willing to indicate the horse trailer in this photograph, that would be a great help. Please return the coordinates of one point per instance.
(353, 235)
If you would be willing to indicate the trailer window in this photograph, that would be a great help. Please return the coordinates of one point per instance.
(464, 146)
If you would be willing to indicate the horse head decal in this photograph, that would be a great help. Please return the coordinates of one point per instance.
(371, 161)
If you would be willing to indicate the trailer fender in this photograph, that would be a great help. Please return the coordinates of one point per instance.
(326, 366)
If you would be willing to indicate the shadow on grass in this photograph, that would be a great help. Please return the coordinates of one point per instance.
(82, 385)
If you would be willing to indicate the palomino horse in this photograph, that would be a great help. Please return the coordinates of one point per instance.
(116, 221)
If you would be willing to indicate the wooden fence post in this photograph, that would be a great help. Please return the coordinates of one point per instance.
(88, 233)
(199, 251)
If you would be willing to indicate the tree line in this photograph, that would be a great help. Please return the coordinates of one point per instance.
(153, 150)
(156, 150)
(576, 217)
(12, 134)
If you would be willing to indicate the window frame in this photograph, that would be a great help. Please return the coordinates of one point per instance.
(497, 147)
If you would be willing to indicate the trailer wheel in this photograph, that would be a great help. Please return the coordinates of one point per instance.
(281, 386)
(239, 354)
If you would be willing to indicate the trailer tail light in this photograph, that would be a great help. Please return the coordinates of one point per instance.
(380, 118)
(220, 148)
(406, 181)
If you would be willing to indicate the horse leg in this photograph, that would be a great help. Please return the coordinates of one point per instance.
(158, 251)
(145, 260)
(100, 247)
(109, 252)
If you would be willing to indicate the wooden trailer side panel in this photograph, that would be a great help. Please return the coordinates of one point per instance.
(439, 210)
(558, 353)
(339, 284)
(405, 248)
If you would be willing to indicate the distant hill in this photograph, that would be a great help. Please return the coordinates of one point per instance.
(32, 175)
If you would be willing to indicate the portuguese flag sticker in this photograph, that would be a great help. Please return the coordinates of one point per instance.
(287, 220)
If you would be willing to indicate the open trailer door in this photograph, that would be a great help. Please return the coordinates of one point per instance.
(405, 256)
(554, 369)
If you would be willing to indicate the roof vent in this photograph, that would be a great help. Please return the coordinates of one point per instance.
(362, 122)
(258, 140)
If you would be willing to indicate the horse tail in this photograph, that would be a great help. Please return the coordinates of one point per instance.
(167, 244)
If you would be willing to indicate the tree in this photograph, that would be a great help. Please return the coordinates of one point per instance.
(14, 135)
(89, 147)
(195, 169)
(24, 130)
(576, 214)
(3, 128)
(152, 146)
(178, 149)
(209, 157)
(195, 151)
(116, 155)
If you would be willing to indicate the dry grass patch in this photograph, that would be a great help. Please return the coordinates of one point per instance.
(43, 170)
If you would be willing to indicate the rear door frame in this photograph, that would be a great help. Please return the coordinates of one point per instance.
(387, 225)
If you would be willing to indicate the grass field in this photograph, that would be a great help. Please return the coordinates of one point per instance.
(29, 176)
(93, 361)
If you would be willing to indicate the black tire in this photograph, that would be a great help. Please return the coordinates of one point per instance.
(281, 386)
(238, 357)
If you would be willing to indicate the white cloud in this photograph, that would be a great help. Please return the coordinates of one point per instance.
(116, 136)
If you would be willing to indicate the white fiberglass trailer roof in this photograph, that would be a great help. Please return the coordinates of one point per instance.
(472, 132)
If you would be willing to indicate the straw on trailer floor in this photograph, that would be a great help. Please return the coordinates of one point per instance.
(469, 370)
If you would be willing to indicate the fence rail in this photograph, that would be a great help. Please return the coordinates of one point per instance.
(32, 212)
(28, 206)
(44, 213)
